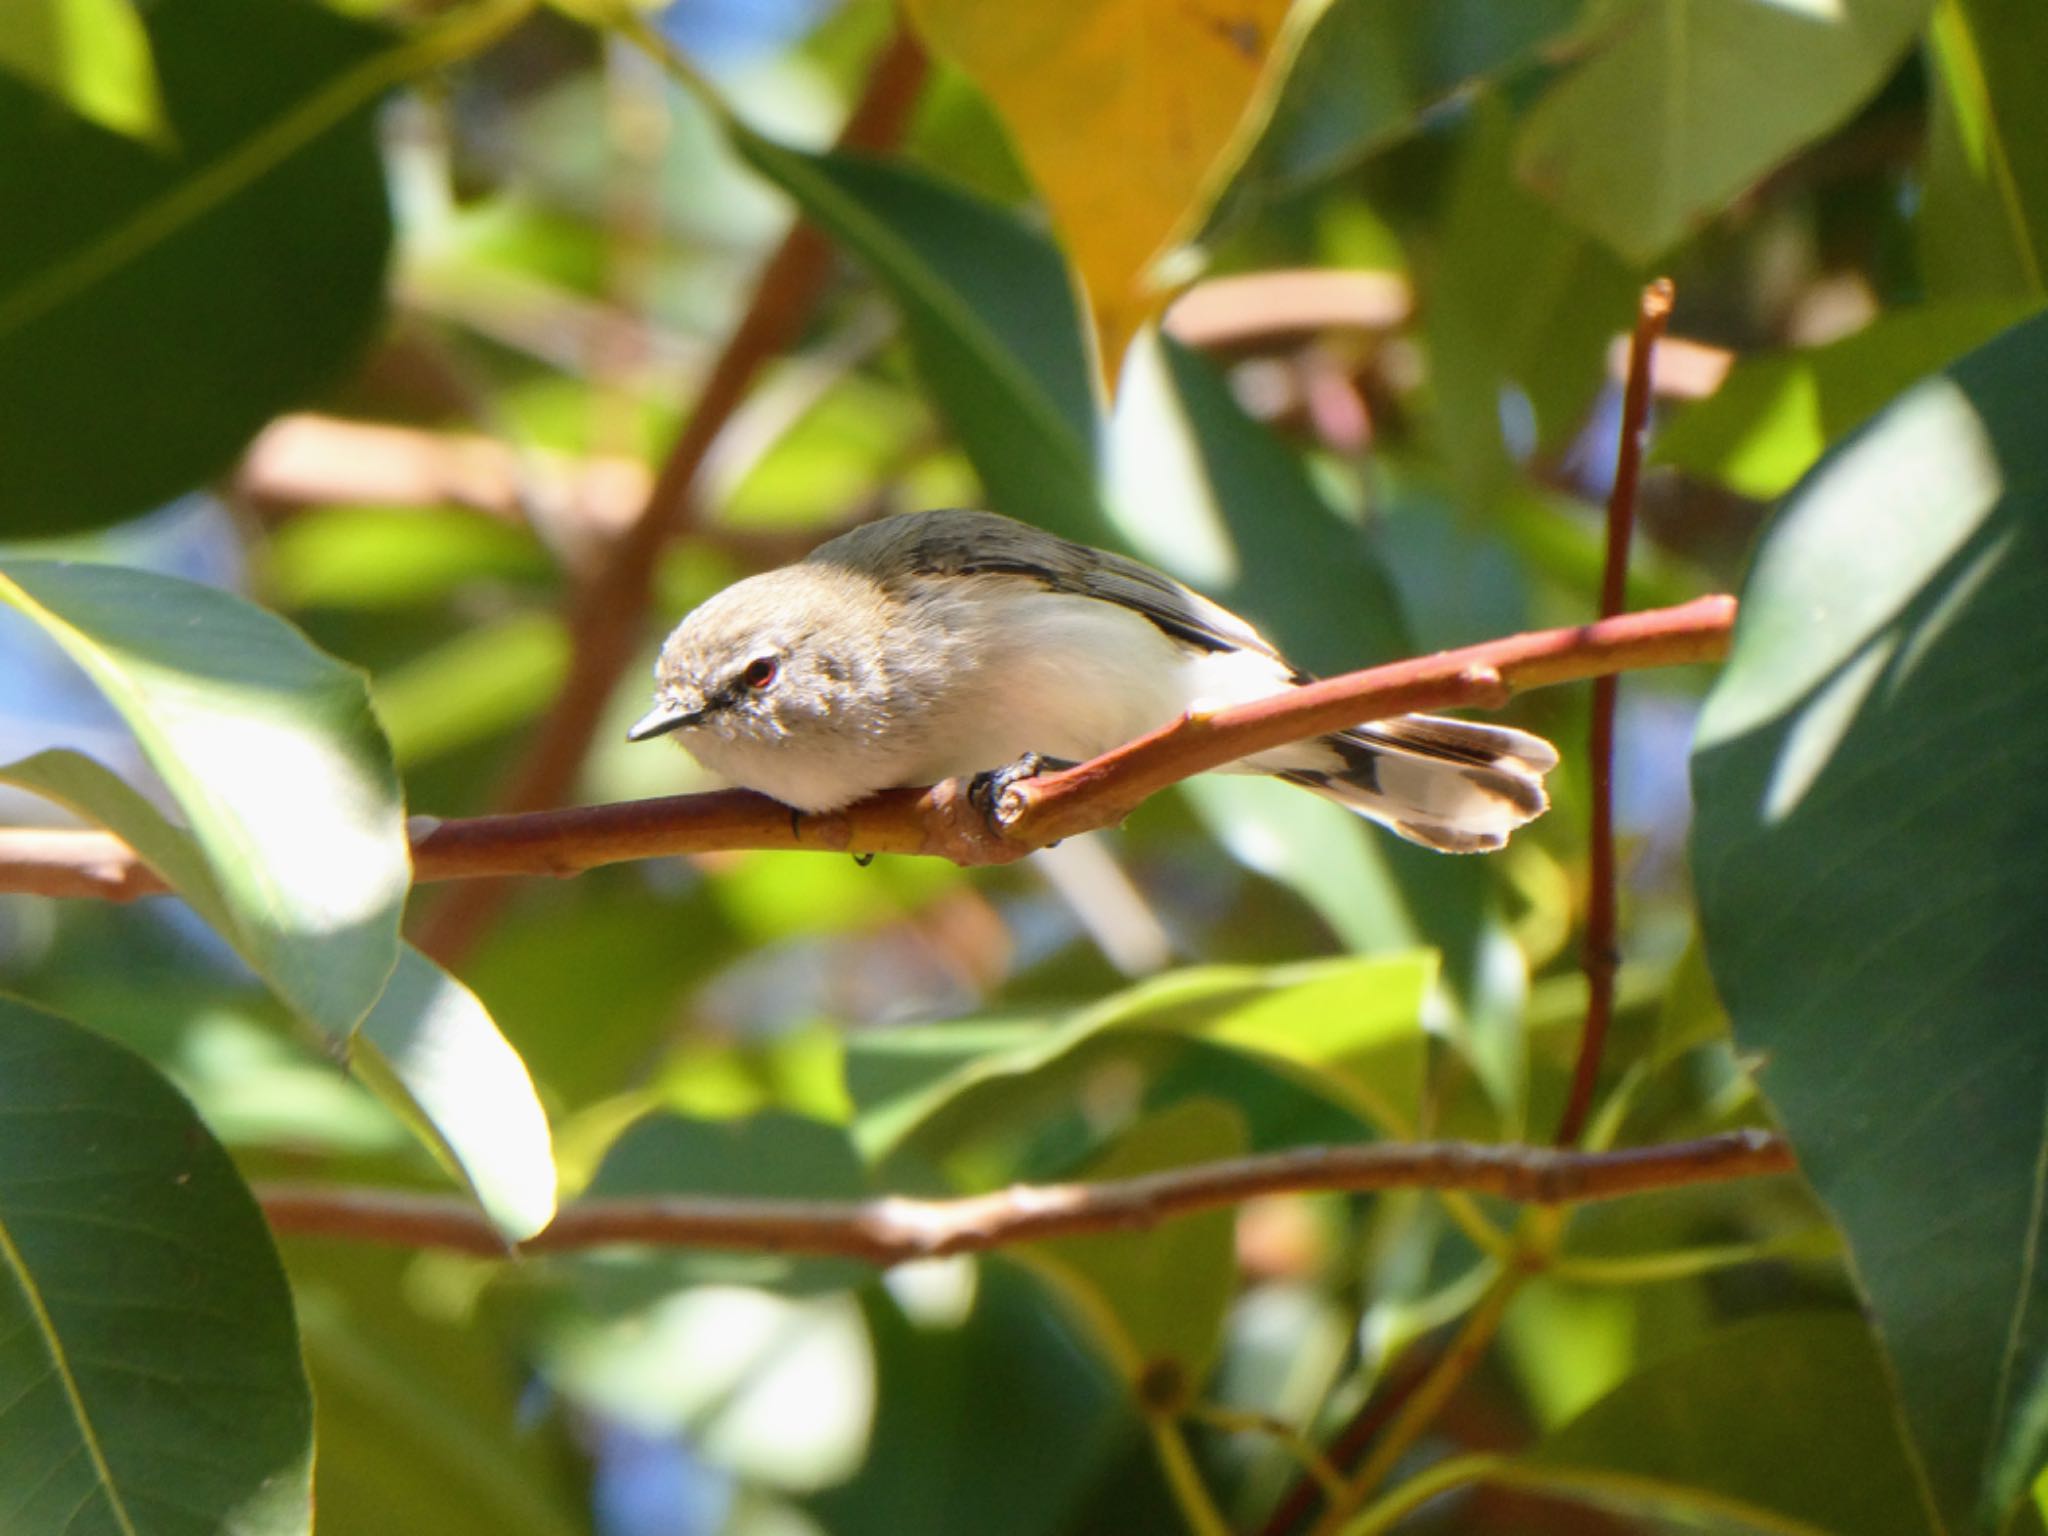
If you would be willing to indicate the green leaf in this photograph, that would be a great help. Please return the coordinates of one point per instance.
(773, 1155)
(991, 317)
(1777, 413)
(1522, 304)
(1720, 1418)
(1156, 1300)
(1368, 69)
(996, 1424)
(420, 1404)
(1202, 490)
(150, 298)
(150, 1366)
(1871, 824)
(1040, 1109)
(428, 1048)
(1983, 221)
(1692, 100)
(431, 1051)
(269, 750)
(92, 55)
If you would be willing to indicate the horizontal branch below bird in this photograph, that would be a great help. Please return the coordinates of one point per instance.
(894, 1230)
(941, 820)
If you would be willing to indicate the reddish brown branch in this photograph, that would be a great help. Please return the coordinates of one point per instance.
(1602, 957)
(940, 820)
(892, 1229)
(606, 619)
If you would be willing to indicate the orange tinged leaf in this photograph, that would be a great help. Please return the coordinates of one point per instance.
(1128, 114)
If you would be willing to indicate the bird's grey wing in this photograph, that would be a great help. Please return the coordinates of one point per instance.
(988, 544)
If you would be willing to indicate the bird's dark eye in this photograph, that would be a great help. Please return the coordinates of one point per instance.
(760, 672)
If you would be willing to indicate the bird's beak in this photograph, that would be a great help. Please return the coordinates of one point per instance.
(666, 716)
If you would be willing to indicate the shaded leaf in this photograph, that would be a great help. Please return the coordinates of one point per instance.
(247, 307)
(1689, 103)
(1121, 110)
(1523, 306)
(92, 55)
(269, 750)
(1156, 1300)
(1368, 69)
(991, 319)
(150, 1367)
(995, 1425)
(420, 1410)
(1870, 828)
(1790, 1414)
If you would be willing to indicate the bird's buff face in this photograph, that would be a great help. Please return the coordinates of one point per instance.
(768, 684)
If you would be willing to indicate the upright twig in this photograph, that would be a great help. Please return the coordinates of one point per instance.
(609, 611)
(1602, 955)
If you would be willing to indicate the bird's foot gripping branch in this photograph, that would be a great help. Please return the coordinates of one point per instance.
(944, 820)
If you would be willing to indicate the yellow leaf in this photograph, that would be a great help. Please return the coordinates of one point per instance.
(1128, 114)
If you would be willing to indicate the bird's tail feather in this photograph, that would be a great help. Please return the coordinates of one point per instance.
(1457, 786)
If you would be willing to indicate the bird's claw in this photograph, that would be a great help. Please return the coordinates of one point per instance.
(989, 791)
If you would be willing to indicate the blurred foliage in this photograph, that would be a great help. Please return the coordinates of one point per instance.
(513, 239)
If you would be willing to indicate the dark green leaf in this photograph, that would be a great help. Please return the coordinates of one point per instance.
(1867, 855)
(1369, 68)
(1689, 103)
(150, 1370)
(269, 749)
(991, 316)
(218, 321)
(1789, 1414)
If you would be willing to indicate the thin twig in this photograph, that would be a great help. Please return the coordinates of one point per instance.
(608, 613)
(1447, 1373)
(1602, 957)
(942, 820)
(1349, 1445)
(894, 1230)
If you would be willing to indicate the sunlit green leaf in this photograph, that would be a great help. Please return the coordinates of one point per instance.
(1983, 224)
(1777, 413)
(1870, 824)
(268, 749)
(430, 1049)
(150, 1370)
(92, 55)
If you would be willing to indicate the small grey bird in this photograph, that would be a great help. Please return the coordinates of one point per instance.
(937, 644)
